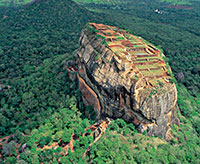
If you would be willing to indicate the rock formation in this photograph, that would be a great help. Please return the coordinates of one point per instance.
(124, 76)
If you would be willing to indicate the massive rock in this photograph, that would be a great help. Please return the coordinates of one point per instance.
(124, 76)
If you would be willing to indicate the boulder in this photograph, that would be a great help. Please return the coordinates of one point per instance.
(123, 76)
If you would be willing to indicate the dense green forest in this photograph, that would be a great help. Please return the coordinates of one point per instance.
(39, 31)
(114, 2)
(40, 105)
(179, 2)
(14, 2)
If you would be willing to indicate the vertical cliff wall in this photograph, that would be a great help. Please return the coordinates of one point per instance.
(124, 76)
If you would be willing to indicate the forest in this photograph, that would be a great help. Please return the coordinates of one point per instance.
(40, 105)
(14, 3)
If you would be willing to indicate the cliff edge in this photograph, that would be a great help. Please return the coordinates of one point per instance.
(124, 76)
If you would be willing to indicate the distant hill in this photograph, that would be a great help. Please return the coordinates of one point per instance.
(174, 2)
(101, 1)
(178, 2)
(14, 2)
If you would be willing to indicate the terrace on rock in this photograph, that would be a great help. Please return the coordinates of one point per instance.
(141, 60)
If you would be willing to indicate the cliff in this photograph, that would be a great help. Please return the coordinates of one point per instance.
(124, 76)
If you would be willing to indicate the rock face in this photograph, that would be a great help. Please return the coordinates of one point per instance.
(124, 76)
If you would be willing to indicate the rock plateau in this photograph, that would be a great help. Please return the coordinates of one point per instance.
(123, 76)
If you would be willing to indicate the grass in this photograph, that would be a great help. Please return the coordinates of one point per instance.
(136, 46)
(98, 55)
(147, 66)
(148, 57)
(107, 61)
(121, 38)
(152, 73)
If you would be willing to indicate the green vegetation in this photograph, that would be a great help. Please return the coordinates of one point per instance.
(33, 98)
(177, 2)
(98, 55)
(120, 2)
(107, 2)
(36, 32)
(137, 148)
(189, 107)
(135, 77)
(14, 2)
(129, 147)
(40, 105)
(121, 38)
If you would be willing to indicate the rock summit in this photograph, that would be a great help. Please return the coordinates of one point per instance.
(123, 76)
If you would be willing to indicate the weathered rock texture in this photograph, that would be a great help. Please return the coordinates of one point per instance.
(123, 76)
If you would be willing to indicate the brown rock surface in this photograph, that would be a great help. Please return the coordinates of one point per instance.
(123, 76)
